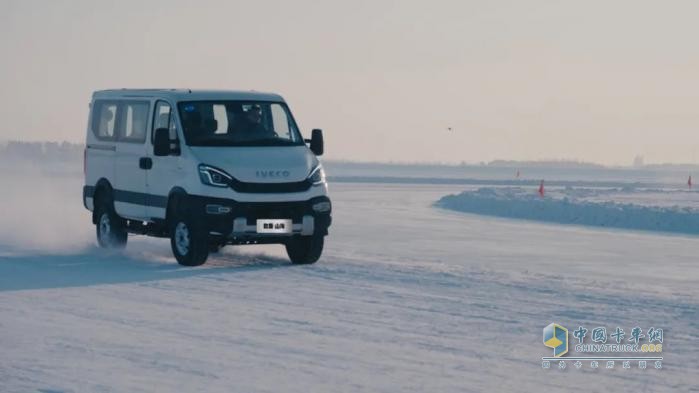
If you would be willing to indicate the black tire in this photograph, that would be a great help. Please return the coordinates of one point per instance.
(304, 250)
(188, 239)
(109, 227)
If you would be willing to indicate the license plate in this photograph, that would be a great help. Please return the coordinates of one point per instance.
(274, 226)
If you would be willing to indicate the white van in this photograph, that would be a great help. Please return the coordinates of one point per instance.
(206, 169)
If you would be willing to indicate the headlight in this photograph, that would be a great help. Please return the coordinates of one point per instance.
(317, 176)
(321, 207)
(213, 176)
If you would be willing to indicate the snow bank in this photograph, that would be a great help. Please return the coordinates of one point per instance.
(583, 207)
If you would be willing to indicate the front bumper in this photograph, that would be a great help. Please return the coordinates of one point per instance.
(236, 222)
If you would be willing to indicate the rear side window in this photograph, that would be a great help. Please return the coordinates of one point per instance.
(104, 120)
(133, 121)
(125, 121)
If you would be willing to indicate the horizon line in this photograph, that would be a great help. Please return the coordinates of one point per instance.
(493, 162)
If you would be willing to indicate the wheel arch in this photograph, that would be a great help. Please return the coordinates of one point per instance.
(103, 188)
(174, 194)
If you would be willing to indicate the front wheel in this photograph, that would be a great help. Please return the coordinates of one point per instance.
(189, 243)
(304, 250)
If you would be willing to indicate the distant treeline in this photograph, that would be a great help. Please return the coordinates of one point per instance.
(65, 152)
(548, 163)
(72, 153)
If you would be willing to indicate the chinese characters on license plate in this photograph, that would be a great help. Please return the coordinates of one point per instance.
(274, 226)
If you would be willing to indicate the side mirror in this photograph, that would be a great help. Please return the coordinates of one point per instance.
(316, 142)
(161, 142)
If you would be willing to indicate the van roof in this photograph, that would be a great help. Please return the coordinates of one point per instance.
(188, 94)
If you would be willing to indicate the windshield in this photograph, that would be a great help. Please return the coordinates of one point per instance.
(238, 123)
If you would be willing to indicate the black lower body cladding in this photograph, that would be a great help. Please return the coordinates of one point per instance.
(218, 214)
(222, 221)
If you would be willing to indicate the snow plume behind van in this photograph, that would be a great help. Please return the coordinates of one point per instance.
(40, 209)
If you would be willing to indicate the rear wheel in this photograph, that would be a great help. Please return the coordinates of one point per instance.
(188, 240)
(304, 250)
(110, 227)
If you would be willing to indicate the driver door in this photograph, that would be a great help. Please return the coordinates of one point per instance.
(166, 170)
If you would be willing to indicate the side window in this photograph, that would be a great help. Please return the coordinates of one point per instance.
(220, 119)
(104, 119)
(163, 117)
(133, 121)
(280, 121)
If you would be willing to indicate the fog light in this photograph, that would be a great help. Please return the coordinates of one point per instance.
(217, 209)
(321, 207)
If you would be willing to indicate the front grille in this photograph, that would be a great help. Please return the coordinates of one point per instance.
(260, 188)
(253, 211)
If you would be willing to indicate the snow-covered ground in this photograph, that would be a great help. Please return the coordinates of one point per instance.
(407, 297)
(663, 210)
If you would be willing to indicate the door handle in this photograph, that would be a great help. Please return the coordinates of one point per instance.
(145, 163)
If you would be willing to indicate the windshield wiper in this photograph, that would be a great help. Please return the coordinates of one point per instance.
(213, 142)
(252, 142)
(268, 142)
